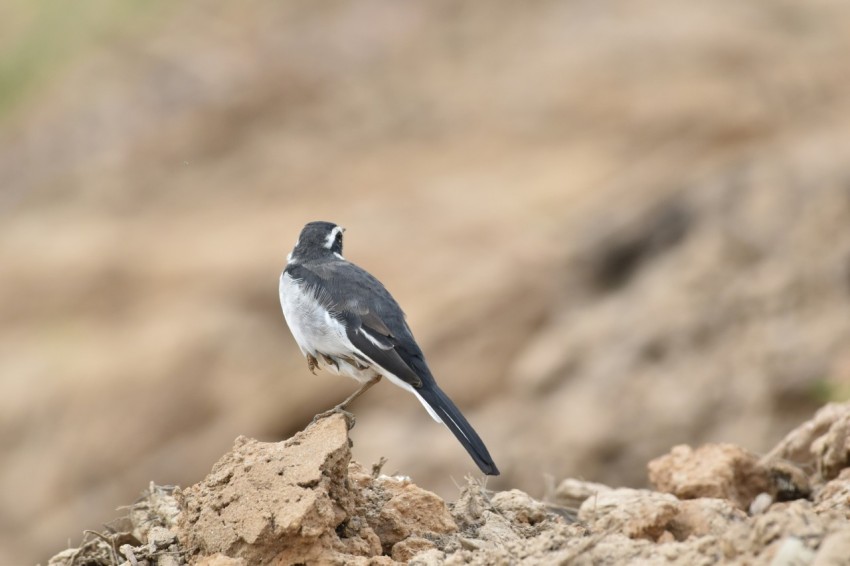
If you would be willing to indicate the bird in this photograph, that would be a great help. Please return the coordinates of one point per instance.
(344, 320)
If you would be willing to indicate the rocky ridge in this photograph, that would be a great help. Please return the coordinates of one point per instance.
(304, 501)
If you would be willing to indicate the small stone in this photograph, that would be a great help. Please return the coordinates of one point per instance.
(405, 550)
(761, 503)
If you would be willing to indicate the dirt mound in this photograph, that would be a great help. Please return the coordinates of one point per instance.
(304, 501)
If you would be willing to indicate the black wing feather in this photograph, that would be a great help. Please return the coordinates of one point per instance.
(375, 325)
(389, 359)
(356, 297)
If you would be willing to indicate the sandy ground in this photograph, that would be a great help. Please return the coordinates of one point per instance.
(613, 230)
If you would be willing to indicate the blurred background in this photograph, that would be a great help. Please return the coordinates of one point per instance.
(614, 227)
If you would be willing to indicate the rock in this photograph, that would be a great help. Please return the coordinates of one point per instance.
(763, 535)
(161, 537)
(714, 470)
(279, 502)
(657, 516)
(832, 450)
(303, 501)
(405, 550)
(792, 552)
(760, 504)
(797, 444)
(834, 495)
(497, 533)
(822, 442)
(704, 516)
(835, 549)
(410, 510)
(519, 507)
(635, 513)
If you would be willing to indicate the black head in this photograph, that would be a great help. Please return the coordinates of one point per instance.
(318, 239)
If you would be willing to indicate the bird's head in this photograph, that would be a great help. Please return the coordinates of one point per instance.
(318, 239)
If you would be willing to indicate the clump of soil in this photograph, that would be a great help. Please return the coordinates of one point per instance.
(303, 501)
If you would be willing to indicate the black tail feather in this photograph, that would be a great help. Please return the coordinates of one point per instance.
(460, 427)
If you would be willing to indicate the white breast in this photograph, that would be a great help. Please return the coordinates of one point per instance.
(312, 326)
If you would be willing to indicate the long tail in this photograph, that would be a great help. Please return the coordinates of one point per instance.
(460, 427)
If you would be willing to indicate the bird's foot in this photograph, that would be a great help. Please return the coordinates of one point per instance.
(330, 361)
(341, 407)
(338, 410)
(312, 364)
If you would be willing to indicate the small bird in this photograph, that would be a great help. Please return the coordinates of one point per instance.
(344, 320)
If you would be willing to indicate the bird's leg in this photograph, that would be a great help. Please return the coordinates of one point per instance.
(312, 364)
(341, 407)
(363, 388)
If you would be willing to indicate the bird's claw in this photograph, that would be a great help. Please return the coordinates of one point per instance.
(338, 410)
(330, 361)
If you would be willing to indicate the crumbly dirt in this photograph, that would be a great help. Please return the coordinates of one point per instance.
(304, 501)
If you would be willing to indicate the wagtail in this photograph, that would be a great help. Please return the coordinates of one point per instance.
(344, 320)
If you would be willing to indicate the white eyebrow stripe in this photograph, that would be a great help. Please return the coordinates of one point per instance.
(329, 241)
